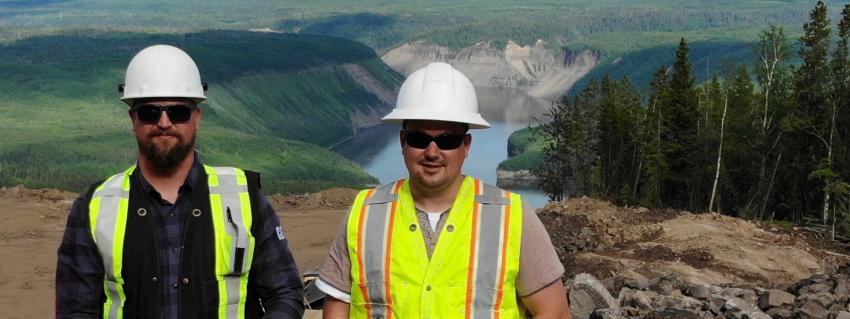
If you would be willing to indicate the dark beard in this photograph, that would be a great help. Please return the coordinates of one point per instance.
(166, 159)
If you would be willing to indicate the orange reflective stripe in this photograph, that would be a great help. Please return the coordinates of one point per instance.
(473, 258)
(388, 258)
(360, 246)
(504, 255)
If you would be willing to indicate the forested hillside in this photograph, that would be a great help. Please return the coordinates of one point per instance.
(624, 34)
(276, 101)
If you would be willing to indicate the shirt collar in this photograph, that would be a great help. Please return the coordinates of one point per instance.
(189, 184)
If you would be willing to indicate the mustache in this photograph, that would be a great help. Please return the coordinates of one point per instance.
(438, 162)
(163, 133)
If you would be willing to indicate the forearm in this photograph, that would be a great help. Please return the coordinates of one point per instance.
(335, 308)
(549, 303)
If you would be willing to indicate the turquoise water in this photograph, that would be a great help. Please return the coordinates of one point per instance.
(378, 150)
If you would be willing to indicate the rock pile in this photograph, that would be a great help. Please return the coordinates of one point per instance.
(821, 296)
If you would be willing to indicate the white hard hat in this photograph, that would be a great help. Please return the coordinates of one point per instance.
(162, 71)
(437, 92)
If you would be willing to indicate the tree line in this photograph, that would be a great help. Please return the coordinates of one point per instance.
(764, 140)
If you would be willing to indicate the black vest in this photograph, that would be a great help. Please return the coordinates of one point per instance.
(198, 287)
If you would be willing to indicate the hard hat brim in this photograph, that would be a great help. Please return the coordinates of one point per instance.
(397, 116)
(129, 99)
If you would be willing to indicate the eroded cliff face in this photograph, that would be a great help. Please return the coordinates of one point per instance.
(536, 69)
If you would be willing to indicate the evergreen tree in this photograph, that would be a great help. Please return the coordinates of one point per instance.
(841, 96)
(570, 153)
(584, 141)
(838, 101)
(653, 165)
(740, 171)
(618, 146)
(810, 120)
(679, 140)
(556, 170)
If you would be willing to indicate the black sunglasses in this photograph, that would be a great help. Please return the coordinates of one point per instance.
(149, 113)
(444, 141)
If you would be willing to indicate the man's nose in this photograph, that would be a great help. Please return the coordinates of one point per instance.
(432, 150)
(164, 120)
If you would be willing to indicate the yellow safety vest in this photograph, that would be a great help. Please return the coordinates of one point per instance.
(231, 219)
(471, 273)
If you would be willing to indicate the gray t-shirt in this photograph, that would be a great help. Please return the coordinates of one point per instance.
(538, 265)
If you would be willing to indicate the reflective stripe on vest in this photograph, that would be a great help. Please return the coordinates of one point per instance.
(472, 270)
(231, 212)
(107, 219)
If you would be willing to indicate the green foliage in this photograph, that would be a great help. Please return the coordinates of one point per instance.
(619, 159)
(63, 125)
(679, 139)
(525, 150)
(570, 158)
(778, 147)
(812, 111)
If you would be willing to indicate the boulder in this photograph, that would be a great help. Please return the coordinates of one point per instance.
(716, 304)
(700, 292)
(779, 313)
(811, 310)
(739, 309)
(776, 298)
(824, 299)
(639, 299)
(817, 288)
(666, 284)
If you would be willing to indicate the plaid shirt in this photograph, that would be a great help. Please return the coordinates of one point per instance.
(79, 271)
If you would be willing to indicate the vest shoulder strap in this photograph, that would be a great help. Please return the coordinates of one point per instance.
(385, 194)
(491, 195)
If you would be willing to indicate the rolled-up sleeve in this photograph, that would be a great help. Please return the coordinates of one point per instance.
(273, 272)
(539, 265)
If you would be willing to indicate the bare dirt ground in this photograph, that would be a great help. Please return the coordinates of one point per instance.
(33, 222)
(612, 243)
(639, 245)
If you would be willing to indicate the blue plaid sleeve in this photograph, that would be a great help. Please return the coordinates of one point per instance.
(79, 270)
(273, 271)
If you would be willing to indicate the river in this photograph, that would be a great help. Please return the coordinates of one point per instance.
(377, 149)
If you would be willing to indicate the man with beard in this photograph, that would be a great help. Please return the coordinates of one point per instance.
(440, 244)
(171, 237)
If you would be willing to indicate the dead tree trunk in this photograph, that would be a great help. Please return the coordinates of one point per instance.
(719, 155)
